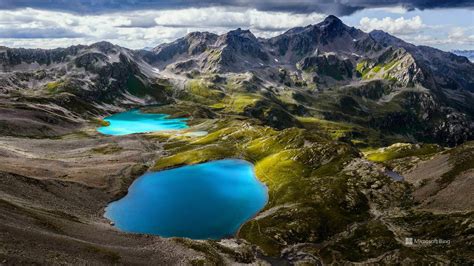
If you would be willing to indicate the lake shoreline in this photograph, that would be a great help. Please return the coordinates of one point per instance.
(247, 165)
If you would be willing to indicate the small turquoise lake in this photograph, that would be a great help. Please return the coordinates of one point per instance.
(135, 121)
(204, 201)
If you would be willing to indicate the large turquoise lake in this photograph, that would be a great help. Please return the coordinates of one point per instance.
(204, 201)
(135, 121)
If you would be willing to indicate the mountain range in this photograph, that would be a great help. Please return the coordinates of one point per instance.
(467, 53)
(372, 79)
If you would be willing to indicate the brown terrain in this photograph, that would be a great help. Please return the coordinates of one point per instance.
(52, 198)
(456, 196)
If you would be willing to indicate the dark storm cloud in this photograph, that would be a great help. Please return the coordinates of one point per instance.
(338, 7)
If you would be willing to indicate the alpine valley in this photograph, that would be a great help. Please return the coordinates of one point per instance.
(362, 139)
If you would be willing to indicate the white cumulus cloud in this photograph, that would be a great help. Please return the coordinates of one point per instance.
(136, 29)
(397, 26)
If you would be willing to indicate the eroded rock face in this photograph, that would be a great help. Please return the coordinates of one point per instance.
(331, 35)
(192, 44)
(456, 129)
(328, 65)
(448, 70)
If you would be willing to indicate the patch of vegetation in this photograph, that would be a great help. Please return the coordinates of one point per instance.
(336, 130)
(368, 72)
(194, 156)
(54, 87)
(377, 68)
(363, 68)
(218, 106)
(387, 76)
(372, 90)
(107, 149)
(183, 109)
(391, 64)
(100, 122)
(368, 240)
(402, 150)
(214, 55)
(240, 101)
(361, 137)
(426, 225)
(198, 262)
(204, 91)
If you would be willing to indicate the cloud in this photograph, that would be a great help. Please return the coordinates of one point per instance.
(140, 22)
(398, 26)
(30, 24)
(460, 36)
(337, 7)
(456, 37)
(34, 33)
(136, 29)
(231, 18)
(29, 27)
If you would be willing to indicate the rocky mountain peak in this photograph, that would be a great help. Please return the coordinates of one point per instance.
(332, 23)
(241, 32)
(198, 42)
(240, 43)
(237, 35)
(331, 19)
(330, 35)
(103, 45)
(201, 36)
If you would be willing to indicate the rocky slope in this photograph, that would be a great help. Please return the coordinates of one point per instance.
(42, 90)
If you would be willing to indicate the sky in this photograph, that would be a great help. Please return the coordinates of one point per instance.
(444, 24)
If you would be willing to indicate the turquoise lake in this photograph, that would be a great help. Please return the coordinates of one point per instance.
(204, 201)
(135, 121)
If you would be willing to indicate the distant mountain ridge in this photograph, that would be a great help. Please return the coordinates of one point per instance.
(467, 53)
(209, 52)
(239, 51)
